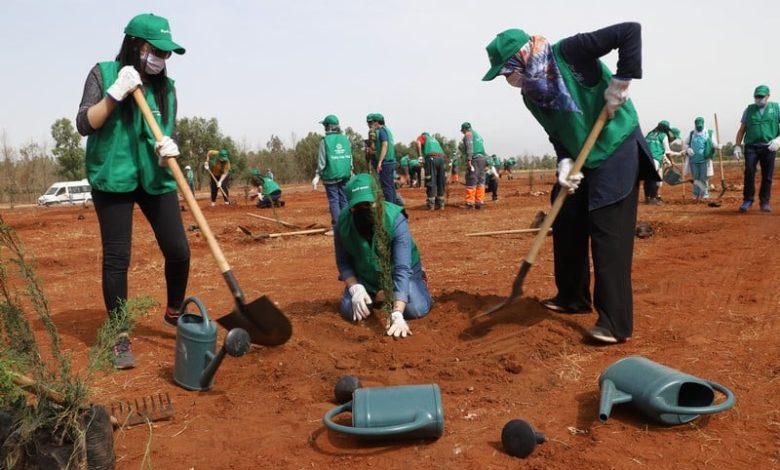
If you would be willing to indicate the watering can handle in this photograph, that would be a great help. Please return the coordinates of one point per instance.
(199, 304)
(420, 420)
(664, 407)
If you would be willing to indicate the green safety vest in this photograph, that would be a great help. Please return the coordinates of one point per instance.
(405, 160)
(762, 127)
(390, 155)
(364, 255)
(572, 128)
(338, 157)
(431, 146)
(268, 184)
(709, 149)
(413, 162)
(478, 145)
(655, 140)
(121, 155)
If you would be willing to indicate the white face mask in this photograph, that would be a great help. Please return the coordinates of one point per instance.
(152, 64)
(761, 102)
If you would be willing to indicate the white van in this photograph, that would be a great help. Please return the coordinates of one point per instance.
(67, 192)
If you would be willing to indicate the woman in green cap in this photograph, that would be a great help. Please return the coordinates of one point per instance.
(356, 240)
(658, 141)
(218, 166)
(699, 148)
(565, 86)
(126, 166)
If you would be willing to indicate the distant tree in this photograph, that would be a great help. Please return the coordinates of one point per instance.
(68, 150)
(196, 136)
(306, 152)
(358, 150)
(275, 144)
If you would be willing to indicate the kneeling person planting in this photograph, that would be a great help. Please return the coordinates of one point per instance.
(370, 257)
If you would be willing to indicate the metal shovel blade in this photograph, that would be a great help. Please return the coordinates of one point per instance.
(265, 323)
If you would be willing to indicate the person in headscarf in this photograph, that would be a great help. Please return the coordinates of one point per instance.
(566, 86)
(658, 141)
(360, 245)
(700, 147)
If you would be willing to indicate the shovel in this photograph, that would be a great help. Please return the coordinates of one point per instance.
(525, 266)
(265, 236)
(263, 320)
(718, 202)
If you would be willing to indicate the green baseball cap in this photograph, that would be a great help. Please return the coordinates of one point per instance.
(699, 120)
(360, 188)
(761, 90)
(675, 133)
(664, 123)
(155, 30)
(369, 117)
(330, 120)
(465, 125)
(254, 172)
(504, 46)
(223, 154)
(378, 117)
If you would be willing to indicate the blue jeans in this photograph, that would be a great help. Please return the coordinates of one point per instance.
(337, 200)
(755, 154)
(269, 200)
(387, 181)
(419, 304)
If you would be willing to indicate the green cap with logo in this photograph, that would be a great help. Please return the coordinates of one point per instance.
(761, 90)
(504, 46)
(330, 120)
(465, 125)
(664, 123)
(223, 155)
(360, 188)
(369, 117)
(155, 30)
(675, 132)
(699, 120)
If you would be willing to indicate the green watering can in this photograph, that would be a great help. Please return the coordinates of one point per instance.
(401, 412)
(660, 392)
(196, 342)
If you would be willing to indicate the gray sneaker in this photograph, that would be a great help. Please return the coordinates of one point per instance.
(123, 352)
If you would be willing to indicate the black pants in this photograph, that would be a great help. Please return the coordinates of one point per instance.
(435, 180)
(215, 189)
(609, 233)
(492, 186)
(115, 215)
(754, 155)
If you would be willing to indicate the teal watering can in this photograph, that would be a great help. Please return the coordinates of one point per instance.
(662, 393)
(196, 342)
(401, 412)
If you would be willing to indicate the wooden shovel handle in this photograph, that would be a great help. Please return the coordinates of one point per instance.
(181, 182)
(720, 153)
(558, 203)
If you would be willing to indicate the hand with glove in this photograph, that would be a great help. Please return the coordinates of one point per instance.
(689, 151)
(315, 181)
(398, 326)
(737, 152)
(166, 148)
(774, 144)
(616, 95)
(360, 302)
(567, 181)
(126, 81)
(219, 184)
(206, 166)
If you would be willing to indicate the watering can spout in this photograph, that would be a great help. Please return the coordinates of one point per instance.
(610, 395)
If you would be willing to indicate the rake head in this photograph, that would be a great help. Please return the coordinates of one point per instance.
(141, 411)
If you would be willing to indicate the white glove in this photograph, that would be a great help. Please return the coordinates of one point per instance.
(398, 326)
(219, 184)
(570, 182)
(471, 167)
(616, 94)
(774, 144)
(206, 166)
(315, 181)
(126, 81)
(166, 148)
(360, 302)
(689, 152)
(737, 152)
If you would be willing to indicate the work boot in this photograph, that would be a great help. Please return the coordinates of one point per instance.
(745, 206)
(123, 352)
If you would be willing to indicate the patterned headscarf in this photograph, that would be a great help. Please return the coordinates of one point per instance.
(535, 71)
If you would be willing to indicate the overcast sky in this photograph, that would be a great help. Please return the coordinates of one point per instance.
(278, 67)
